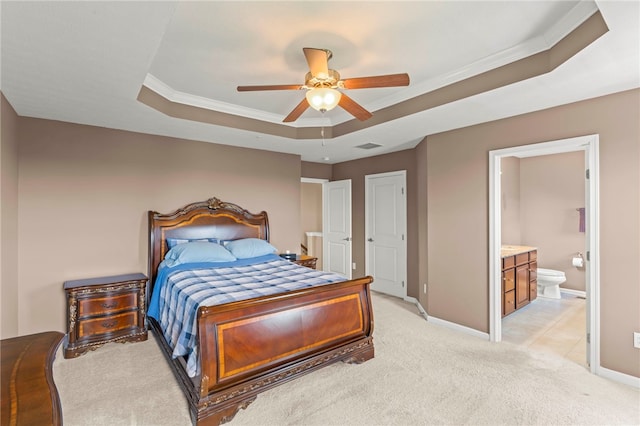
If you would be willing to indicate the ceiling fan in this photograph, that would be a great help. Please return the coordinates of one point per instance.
(322, 83)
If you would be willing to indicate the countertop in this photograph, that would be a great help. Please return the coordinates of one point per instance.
(511, 250)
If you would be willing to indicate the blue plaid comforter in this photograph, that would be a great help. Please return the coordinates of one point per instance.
(179, 291)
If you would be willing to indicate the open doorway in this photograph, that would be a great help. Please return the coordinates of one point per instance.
(311, 211)
(589, 145)
(542, 201)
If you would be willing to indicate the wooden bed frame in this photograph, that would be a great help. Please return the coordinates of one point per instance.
(251, 346)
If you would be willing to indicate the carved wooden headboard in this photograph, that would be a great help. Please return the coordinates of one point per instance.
(205, 219)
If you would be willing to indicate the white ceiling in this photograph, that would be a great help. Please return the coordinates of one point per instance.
(85, 62)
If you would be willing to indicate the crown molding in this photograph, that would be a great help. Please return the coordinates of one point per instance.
(576, 16)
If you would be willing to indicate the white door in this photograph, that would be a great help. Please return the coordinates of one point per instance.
(336, 227)
(386, 227)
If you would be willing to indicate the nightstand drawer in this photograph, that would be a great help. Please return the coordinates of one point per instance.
(108, 324)
(105, 305)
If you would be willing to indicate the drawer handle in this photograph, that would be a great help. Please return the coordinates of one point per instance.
(109, 324)
(111, 305)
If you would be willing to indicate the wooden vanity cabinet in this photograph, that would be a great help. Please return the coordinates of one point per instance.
(519, 281)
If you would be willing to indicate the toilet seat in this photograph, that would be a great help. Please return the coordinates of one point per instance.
(550, 273)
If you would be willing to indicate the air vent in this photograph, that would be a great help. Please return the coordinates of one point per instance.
(368, 146)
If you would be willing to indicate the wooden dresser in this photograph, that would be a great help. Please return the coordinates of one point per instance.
(103, 310)
(519, 277)
(29, 395)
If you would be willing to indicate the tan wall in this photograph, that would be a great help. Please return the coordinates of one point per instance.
(316, 170)
(422, 223)
(310, 209)
(8, 221)
(85, 191)
(356, 171)
(552, 187)
(510, 200)
(457, 199)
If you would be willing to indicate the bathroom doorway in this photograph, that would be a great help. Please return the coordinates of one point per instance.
(542, 199)
(500, 160)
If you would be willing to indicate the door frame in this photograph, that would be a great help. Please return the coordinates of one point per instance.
(367, 178)
(588, 144)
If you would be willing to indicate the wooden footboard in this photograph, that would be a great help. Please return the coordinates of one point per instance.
(251, 346)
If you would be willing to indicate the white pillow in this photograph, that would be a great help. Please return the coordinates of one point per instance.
(249, 247)
(197, 251)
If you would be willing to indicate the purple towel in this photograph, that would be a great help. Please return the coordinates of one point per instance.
(582, 221)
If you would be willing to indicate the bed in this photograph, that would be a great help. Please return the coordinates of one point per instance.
(248, 346)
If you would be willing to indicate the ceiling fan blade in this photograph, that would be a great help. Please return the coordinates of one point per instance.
(318, 60)
(354, 108)
(297, 111)
(391, 80)
(270, 87)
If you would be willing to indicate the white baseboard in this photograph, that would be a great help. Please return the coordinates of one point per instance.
(574, 292)
(616, 376)
(445, 323)
(418, 305)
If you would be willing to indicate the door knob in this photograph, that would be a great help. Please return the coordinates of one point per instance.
(347, 239)
(370, 240)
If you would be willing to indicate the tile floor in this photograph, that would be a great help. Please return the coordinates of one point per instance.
(555, 325)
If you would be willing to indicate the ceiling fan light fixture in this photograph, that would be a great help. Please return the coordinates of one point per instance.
(323, 99)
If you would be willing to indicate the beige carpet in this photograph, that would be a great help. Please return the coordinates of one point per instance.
(422, 374)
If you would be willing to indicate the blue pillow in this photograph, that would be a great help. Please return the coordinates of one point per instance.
(172, 242)
(249, 247)
(197, 251)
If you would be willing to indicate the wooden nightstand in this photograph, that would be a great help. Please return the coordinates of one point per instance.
(304, 260)
(103, 310)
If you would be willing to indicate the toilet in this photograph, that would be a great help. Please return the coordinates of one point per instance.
(549, 281)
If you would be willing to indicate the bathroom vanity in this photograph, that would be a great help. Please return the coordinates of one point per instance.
(519, 275)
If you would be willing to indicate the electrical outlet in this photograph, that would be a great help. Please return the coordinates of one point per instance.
(353, 266)
(636, 340)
